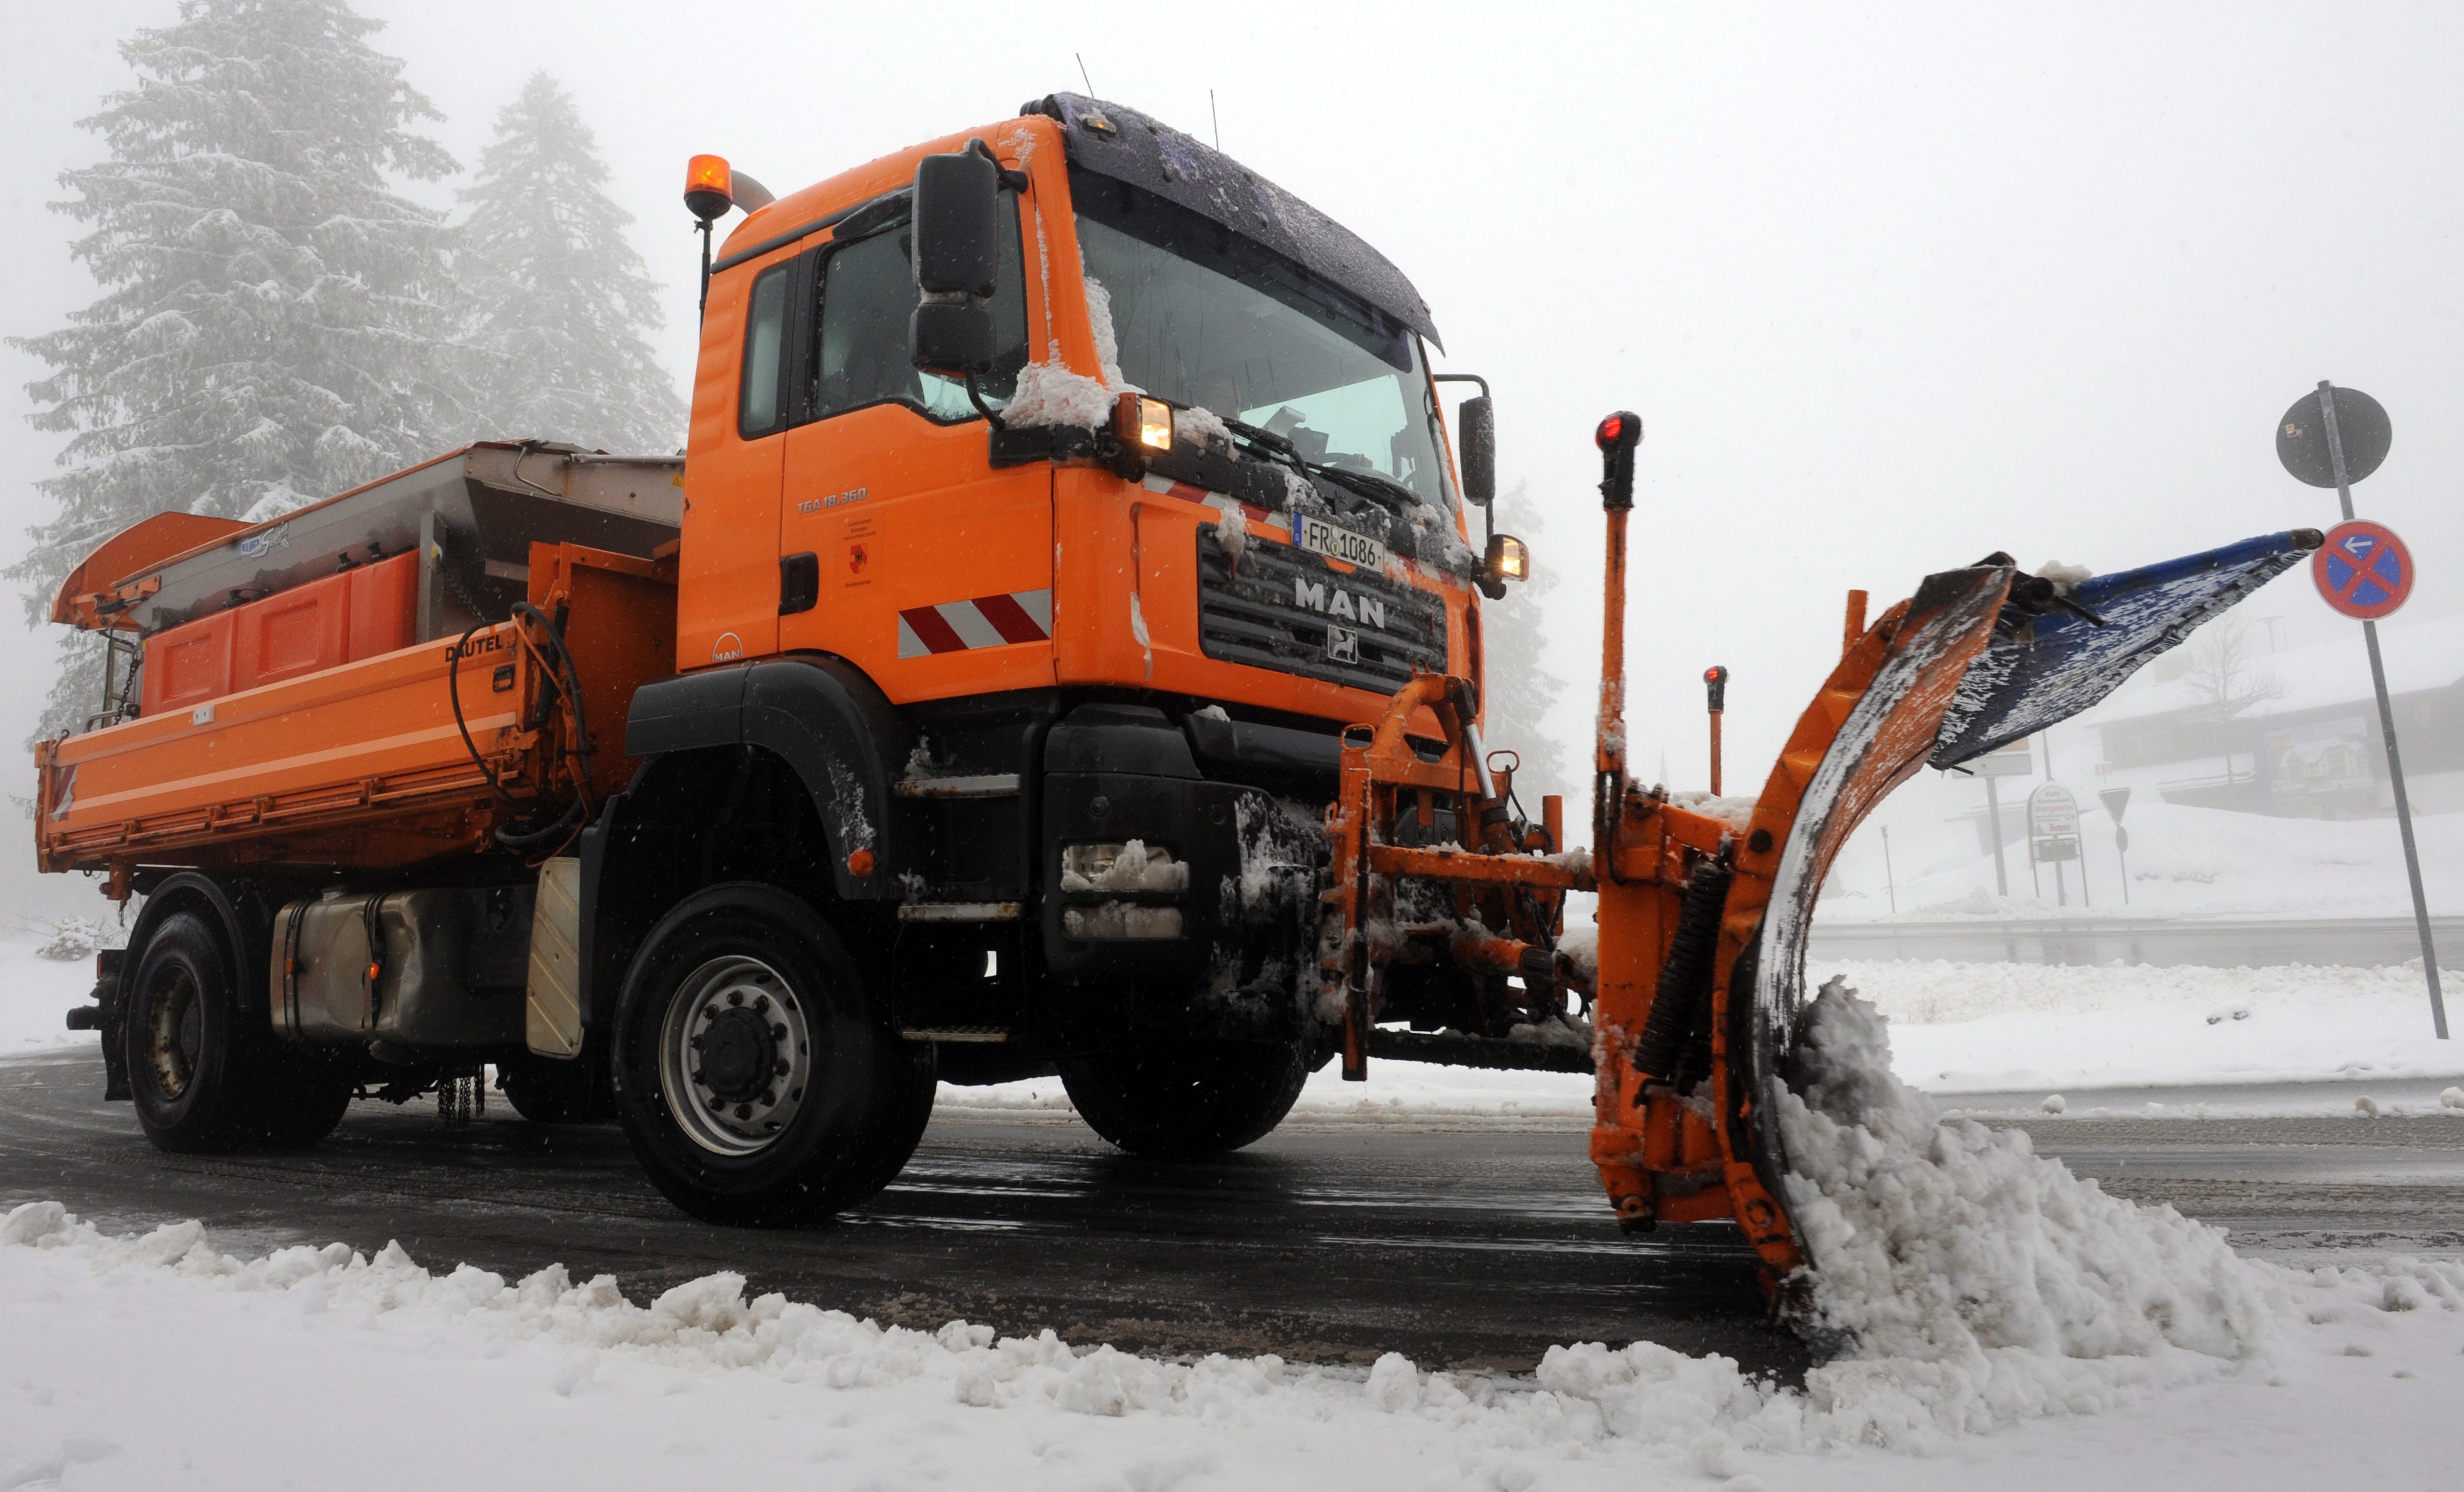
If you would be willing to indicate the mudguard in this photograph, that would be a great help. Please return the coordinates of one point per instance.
(826, 721)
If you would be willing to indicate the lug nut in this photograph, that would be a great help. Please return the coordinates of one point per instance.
(735, 997)
(744, 1110)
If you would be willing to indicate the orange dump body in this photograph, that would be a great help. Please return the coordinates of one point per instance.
(346, 618)
(358, 763)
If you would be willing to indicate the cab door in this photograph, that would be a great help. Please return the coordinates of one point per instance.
(904, 549)
(728, 569)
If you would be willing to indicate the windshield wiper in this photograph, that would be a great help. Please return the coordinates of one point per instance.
(1366, 484)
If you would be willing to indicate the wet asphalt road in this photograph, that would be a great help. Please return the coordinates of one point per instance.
(1476, 1245)
(1322, 1242)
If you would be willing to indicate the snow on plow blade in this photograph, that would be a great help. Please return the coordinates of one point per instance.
(1977, 658)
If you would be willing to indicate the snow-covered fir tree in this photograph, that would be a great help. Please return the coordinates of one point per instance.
(1522, 692)
(563, 308)
(277, 323)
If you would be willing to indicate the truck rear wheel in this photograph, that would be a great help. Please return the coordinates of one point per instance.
(205, 1077)
(1185, 1095)
(758, 1080)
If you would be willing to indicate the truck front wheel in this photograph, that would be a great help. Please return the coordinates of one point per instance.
(1185, 1095)
(756, 1078)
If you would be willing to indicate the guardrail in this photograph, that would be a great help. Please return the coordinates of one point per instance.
(2165, 942)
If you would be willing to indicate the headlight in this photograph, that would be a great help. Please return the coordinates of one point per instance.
(1508, 558)
(1132, 867)
(1143, 423)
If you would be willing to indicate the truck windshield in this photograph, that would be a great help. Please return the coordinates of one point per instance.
(1202, 317)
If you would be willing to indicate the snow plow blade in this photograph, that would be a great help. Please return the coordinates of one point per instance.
(1978, 657)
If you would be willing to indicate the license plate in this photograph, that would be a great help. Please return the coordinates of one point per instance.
(1320, 538)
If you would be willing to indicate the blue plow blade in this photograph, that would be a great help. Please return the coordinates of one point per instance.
(2042, 669)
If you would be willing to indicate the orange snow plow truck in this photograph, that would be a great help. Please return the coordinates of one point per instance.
(1058, 651)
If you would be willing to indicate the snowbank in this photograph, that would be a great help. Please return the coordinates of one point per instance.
(1986, 1027)
(35, 996)
(2183, 861)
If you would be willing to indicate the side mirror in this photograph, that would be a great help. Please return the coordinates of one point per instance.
(1478, 452)
(957, 229)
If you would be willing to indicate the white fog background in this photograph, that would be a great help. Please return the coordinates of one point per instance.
(1890, 288)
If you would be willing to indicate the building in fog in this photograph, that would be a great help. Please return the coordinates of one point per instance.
(2312, 749)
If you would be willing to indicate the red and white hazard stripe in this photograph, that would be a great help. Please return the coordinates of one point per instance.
(1166, 486)
(986, 621)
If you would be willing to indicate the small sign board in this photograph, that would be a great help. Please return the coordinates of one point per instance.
(2362, 428)
(2053, 823)
(2013, 758)
(2363, 570)
(2115, 800)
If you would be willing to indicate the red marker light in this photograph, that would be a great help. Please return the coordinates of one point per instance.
(1611, 429)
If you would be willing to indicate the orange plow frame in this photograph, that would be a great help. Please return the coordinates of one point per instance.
(1676, 1145)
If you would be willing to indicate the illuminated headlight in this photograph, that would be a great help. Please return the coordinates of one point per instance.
(1508, 559)
(1134, 873)
(1143, 423)
(1085, 862)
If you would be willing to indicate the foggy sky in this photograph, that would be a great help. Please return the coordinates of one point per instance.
(1891, 290)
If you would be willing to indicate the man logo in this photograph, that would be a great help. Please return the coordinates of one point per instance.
(1342, 645)
(729, 646)
(1315, 596)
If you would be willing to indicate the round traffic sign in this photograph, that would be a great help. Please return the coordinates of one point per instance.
(2361, 425)
(2363, 569)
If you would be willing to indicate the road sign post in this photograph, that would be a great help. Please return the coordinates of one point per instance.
(2018, 759)
(2363, 571)
(1889, 878)
(2116, 800)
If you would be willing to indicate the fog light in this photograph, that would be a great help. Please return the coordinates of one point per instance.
(1142, 422)
(1132, 867)
(1508, 558)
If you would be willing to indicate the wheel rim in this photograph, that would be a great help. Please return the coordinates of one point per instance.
(175, 1031)
(736, 1055)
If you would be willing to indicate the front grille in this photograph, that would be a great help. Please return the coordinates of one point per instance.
(1287, 609)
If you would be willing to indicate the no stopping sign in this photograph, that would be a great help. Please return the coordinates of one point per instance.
(2363, 570)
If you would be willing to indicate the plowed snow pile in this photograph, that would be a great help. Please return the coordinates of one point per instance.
(1974, 1282)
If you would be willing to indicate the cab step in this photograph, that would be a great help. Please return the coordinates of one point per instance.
(977, 1034)
(961, 911)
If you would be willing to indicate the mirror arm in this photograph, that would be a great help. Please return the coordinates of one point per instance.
(1013, 179)
(975, 396)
